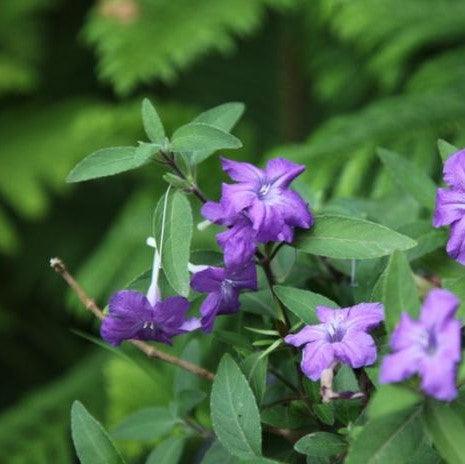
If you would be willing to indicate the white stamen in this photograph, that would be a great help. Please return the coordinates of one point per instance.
(194, 268)
(145, 325)
(203, 225)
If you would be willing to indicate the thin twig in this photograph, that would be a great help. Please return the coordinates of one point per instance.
(150, 351)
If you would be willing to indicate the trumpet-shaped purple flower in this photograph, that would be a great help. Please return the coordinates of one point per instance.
(223, 286)
(341, 337)
(450, 205)
(429, 347)
(133, 315)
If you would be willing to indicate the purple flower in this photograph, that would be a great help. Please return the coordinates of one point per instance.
(341, 337)
(133, 315)
(223, 286)
(450, 205)
(429, 347)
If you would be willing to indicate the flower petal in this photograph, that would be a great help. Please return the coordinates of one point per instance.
(170, 313)
(208, 280)
(407, 333)
(356, 349)
(243, 277)
(238, 243)
(281, 172)
(266, 220)
(364, 316)
(316, 357)
(439, 308)
(401, 365)
(294, 209)
(209, 310)
(242, 172)
(238, 196)
(454, 170)
(438, 377)
(450, 207)
(310, 333)
(456, 244)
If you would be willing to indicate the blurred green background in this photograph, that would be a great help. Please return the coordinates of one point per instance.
(325, 82)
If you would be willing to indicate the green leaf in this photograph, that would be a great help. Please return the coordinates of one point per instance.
(201, 137)
(177, 237)
(184, 380)
(446, 425)
(105, 162)
(324, 412)
(350, 238)
(234, 411)
(167, 452)
(152, 122)
(187, 400)
(397, 290)
(254, 367)
(390, 399)
(321, 445)
(146, 424)
(146, 152)
(303, 303)
(283, 263)
(410, 178)
(390, 439)
(446, 149)
(92, 443)
(457, 286)
(223, 116)
(217, 453)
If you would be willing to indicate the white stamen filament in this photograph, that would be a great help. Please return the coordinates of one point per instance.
(203, 225)
(194, 268)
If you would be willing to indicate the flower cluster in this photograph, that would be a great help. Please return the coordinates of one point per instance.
(450, 205)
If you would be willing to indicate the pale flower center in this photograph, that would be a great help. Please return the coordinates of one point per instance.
(334, 331)
(428, 341)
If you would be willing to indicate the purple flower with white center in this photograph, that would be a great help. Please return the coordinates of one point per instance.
(223, 286)
(429, 347)
(264, 196)
(341, 337)
(450, 205)
(133, 315)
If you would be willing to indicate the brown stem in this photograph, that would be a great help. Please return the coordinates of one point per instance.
(150, 351)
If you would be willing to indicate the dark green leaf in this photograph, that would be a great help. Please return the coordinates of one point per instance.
(188, 400)
(105, 162)
(446, 149)
(176, 239)
(202, 137)
(260, 303)
(457, 286)
(303, 303)
(390, 399)
(324, 412)
(184, 380)
(446, 426)
(349, 238)
(283, 263)
(321, 445)
(254, 367)
(146, 424)
(152, 123)
(167, 452)
(390, 439)
(410, 178)
(92, 443)
(218, 454)
(234, 411)
(397, 290)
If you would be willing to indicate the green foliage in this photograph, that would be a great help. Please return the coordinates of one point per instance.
(167, 452)
(320, 445)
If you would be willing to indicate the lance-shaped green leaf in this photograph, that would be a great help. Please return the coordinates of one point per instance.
(234, 411)
(200, 137)
(184, 380)
(410, 178)
(167, 452)
(390, 399)
(254, 367)
(92, 443)
(457, 286)
(396, 288)
(152, 122)
(446, 426)
(392, 438)
(446, 149)
(321, 445)
(146, 424)
(223, 116)
(106, 162)
(177, 235)
(303, 303)
(350, 238)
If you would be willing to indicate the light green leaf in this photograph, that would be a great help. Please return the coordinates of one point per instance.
(446, 425)
(410, 178)
(105, 162)
(457, 286)
(167, 452)
(146, 152)
(184, 380)
(446, 149)
(350, 238)
(390, 439)
(303, 303)
(176, 239)
(321, 445)
(254, 367)
(396, 288)
(223, 116)
(146, 424)
(217, 453)
(202, 137)
(92, 443)
(390, 399)
(234, 411)
(152, 122)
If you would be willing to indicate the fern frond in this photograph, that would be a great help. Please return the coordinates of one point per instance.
(138, 41)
